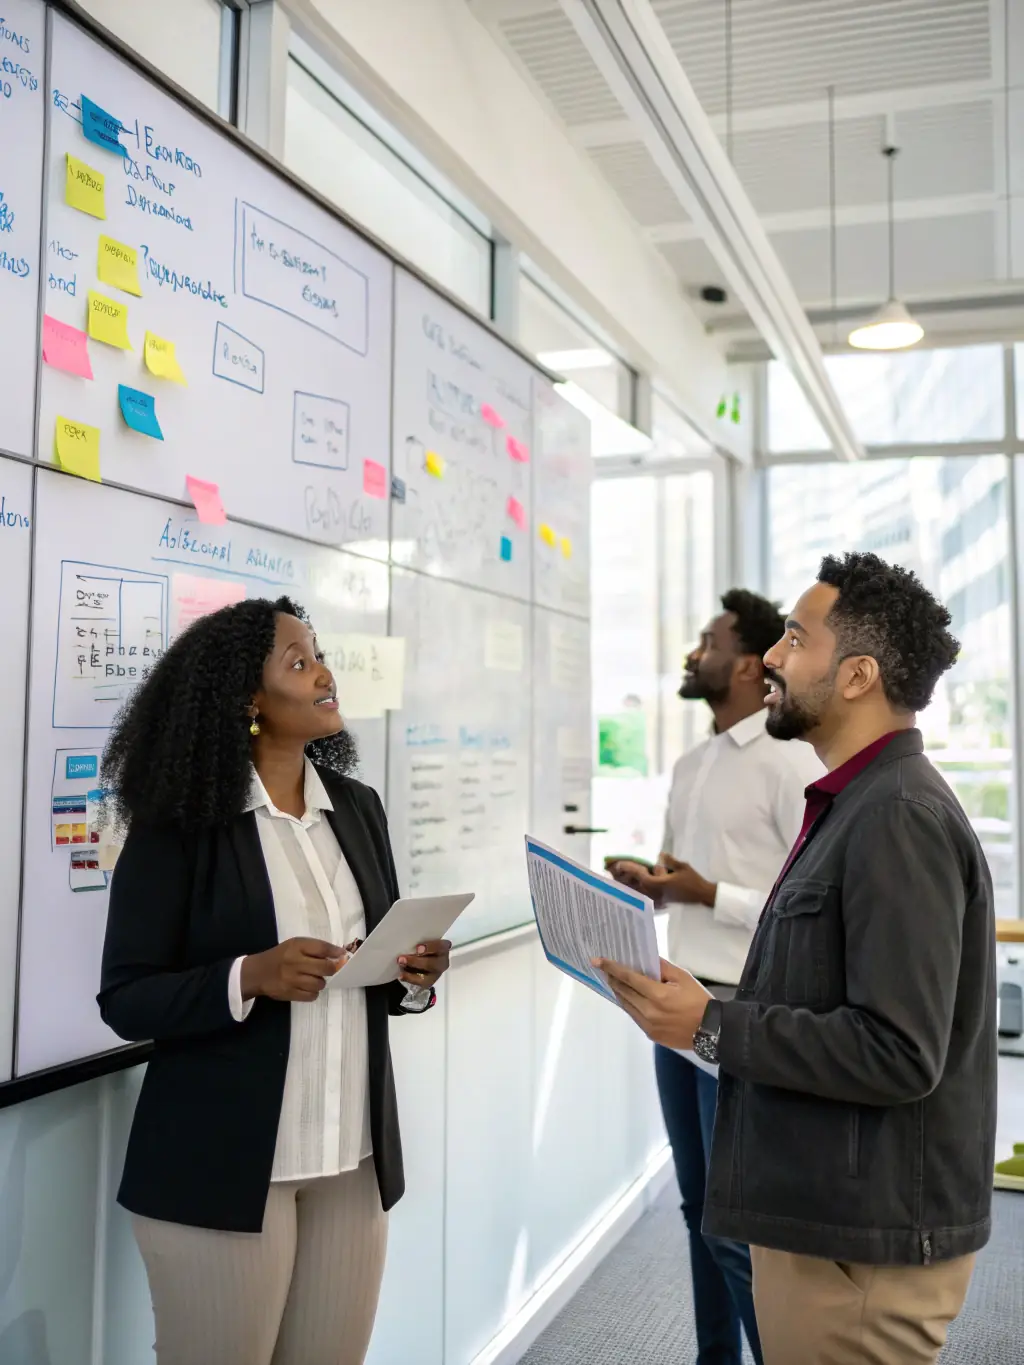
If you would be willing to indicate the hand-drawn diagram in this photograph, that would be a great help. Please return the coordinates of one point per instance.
(111, 629)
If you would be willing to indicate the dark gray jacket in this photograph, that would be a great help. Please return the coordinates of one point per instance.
(857, 1100)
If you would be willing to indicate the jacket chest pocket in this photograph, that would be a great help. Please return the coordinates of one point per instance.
(801, 963)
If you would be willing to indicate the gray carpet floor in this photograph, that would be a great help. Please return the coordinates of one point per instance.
(636, 1308)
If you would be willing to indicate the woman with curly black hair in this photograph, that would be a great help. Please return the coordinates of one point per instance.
(265, 1149)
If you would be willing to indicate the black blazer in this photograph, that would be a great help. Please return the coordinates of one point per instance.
(182, 908)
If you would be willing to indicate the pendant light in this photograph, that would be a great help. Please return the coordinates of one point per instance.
(892, 328)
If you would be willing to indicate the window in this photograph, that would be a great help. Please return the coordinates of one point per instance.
(900, 398)
(651, 591)
(350, 163)
(550, 331)
(182, 40)
(947, 519)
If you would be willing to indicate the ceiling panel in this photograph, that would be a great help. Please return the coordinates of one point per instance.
(788, 51)
(632, 173)
(546, 45)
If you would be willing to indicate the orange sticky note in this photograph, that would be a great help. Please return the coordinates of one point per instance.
(206, 498)
(434, 464)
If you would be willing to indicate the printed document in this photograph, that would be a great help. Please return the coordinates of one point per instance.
(581, 915)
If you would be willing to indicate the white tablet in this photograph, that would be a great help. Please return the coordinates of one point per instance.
(407, 924)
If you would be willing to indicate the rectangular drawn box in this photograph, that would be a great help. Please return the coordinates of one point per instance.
(320, 431)
(237, 359)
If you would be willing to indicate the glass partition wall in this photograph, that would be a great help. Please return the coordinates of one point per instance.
(937, 494)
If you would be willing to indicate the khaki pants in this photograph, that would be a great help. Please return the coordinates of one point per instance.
(302, 1292)
(816, 1312)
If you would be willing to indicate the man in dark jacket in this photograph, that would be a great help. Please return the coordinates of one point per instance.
(856, 1117)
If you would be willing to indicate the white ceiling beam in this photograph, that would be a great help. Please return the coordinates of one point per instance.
(854, 215)
(878, 103)
(632, 52)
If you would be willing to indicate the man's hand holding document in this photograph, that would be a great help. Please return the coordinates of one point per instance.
(582, 916)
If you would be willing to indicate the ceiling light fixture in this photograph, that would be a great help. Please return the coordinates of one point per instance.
(892, 328)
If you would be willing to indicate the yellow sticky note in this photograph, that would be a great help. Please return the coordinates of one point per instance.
(566, 545)
(83, 188)
(434, 464)
(78, 449)
(108, 321)
(119, 265)
(547, 535)
(161, 359)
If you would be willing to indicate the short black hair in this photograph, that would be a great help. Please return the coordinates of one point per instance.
(759, 623)
(180, 752)
(886, 612)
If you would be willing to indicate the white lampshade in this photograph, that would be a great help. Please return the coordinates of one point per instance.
(891, 329)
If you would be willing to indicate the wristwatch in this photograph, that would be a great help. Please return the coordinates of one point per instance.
(705, 1040)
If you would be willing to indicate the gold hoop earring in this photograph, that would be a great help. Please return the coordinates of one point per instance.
(254, 728)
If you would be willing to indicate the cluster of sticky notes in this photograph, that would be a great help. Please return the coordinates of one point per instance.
(84, 188)
(519, 452)
(162, 359)
(434, 464)
(118, 265)
(139, 411)
(108, 321)
(206, 500)
(551, 538)
(66, 348)
(78, 448)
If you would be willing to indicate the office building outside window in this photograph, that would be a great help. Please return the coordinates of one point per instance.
(947, 519)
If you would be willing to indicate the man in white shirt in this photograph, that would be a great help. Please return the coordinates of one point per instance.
(734, 812)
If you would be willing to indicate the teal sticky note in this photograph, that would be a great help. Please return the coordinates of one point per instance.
(506, 549)
(139, 411)
(101, 128)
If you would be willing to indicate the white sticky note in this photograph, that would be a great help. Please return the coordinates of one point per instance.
(573, 743)
(503, 647)
(568, 659)
(369, 671)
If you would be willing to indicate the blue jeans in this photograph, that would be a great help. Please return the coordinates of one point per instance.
(722, 1296)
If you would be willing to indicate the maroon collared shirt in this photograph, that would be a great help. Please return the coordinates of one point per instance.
(822, 793)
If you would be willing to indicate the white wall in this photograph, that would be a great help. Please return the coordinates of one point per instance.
(436, 72)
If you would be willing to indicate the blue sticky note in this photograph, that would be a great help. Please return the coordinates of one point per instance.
(139, 411)
(506, 549)
(100, 127)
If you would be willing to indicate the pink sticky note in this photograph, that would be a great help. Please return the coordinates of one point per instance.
(517, 512)
(491, 417)
(194, 597)
(375, 479)
(517, 450)
(206, 497)
(66, 348)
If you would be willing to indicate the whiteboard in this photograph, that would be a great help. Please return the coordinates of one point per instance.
(562, 734)
(22, 112)
(109, 560)
(280, 316)
(459, 751)
(464, 398)
(561, 503)
(15, 566)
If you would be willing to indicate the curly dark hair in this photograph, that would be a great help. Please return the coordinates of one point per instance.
(759, 623)
(179, 752)
(886, 612)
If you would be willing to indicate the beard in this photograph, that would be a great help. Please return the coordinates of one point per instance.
(795, 717)
(698, 687)
(338, 753)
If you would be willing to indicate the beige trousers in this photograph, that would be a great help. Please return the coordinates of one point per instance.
(302, 1292)
(815, 1312)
